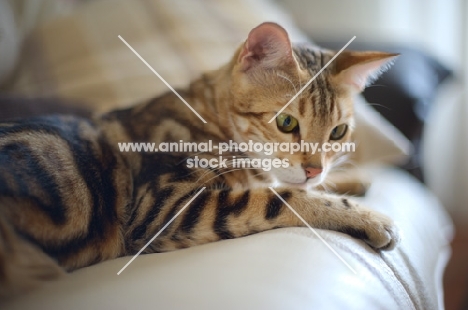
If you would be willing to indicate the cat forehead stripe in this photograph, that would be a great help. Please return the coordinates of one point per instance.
(311, 80)
(161, 78)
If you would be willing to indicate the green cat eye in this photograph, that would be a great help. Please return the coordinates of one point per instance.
(338, 132)
(286, 122)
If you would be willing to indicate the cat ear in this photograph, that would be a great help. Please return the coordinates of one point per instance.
(267, 45)
(359, 69)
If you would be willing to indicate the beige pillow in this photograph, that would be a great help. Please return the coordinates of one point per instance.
(81, 57)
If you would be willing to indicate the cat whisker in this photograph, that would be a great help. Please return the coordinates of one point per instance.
(203, 152)
(215, 170)
(377, 85)
(190, 156)
(227, 172)
(380, 105)
(260, 173)
(327, 183)
(300, 83)
(340, 159)
(208, 170)
(339, 162)
(289, 80)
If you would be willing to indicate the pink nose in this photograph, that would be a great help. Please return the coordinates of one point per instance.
(312, 172)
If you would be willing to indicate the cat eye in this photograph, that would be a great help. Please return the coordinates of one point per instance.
(286, 123)
(338, 132)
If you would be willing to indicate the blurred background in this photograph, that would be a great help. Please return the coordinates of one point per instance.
(432, 77)
(423, 95)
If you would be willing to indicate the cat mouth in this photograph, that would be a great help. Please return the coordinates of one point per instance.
(300, 182)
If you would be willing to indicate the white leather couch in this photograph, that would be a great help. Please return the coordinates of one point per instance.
(287, 268)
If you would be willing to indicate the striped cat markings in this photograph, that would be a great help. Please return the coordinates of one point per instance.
(69, 198)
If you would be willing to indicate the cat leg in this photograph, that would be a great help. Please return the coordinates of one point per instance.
(225, 214)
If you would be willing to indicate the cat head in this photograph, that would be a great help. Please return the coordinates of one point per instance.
(267, 71)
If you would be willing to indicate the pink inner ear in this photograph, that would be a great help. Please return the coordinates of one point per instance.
(267, 45)
(362, 74)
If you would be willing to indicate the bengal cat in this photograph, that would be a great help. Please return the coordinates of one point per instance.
(69, 198)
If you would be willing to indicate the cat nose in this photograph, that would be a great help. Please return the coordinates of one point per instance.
(312, 172)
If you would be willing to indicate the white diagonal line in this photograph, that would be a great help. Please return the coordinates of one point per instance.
(312, 79)
(164, 81)
(160, 231)
(313, 230)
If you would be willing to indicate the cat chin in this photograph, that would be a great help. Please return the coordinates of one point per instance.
(304, 186)
(309, 184)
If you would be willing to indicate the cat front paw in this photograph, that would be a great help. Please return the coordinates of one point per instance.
(382, 233)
